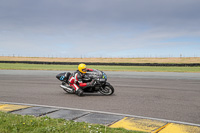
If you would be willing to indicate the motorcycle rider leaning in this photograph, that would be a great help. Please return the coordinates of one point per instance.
(76, 79)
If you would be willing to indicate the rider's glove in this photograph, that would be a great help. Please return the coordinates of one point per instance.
(91, 84)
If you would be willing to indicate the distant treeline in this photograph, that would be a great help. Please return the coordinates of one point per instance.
(109, 64)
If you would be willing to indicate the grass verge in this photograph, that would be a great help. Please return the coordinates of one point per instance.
(12, 123)
(21, 66)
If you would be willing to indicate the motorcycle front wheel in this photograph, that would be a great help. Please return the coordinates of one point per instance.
(107, 90)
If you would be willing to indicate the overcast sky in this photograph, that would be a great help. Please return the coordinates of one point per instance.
(100, 28)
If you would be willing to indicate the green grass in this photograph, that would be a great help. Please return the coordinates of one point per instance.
(12, 123)
(20, 66)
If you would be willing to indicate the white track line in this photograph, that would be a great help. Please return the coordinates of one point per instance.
(94, 111)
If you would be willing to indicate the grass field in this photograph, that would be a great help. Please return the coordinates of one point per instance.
(12, 123)
(106, 60)
(20, 66)
(102, 60)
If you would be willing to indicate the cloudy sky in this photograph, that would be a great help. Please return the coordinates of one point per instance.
(100, 28)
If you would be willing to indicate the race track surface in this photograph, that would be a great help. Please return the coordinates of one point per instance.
(171, 96)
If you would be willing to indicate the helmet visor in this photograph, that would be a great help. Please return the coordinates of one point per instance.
(84, 70)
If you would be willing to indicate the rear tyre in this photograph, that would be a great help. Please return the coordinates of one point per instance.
(107, 90)
(79, 92)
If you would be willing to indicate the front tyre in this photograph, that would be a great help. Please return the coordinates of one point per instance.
(107, 90)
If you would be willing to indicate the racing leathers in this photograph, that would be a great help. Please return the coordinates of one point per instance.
(76, 81)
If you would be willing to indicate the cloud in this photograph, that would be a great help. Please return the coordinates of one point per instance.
(89, 26)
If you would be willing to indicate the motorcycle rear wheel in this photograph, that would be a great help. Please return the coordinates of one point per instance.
(107, 90)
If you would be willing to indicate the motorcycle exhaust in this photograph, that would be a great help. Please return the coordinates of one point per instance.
(68, 89)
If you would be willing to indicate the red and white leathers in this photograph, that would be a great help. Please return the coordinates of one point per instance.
(76, 80)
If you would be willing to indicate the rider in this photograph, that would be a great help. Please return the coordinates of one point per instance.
(76, 79)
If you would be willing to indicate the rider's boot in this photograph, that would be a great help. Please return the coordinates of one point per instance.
(79, 92)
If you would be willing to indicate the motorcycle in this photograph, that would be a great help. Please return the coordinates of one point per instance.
(100, 82)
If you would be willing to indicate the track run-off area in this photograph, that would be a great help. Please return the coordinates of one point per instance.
(169, 96)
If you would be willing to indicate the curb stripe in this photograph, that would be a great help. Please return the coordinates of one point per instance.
(12, 107)
(126, 115)
(138, 124)
(159, 129)
(130, 123)
(178, 128)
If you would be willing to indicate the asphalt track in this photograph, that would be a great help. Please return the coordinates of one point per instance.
(171, 96)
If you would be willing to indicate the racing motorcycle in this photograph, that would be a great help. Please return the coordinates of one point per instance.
(100, 82)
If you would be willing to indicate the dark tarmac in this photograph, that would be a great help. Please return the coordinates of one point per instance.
(171, 96)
